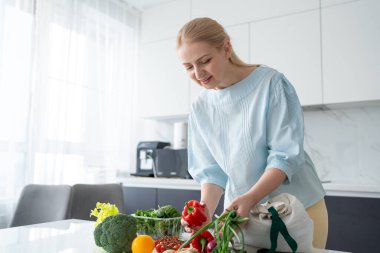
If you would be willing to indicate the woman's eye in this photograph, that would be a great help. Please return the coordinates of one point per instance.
(189, 67)
(206, 61)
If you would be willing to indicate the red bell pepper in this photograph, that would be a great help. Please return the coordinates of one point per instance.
(194, 213)
(200, 242)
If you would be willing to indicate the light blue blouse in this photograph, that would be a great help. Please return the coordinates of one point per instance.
(237, 133)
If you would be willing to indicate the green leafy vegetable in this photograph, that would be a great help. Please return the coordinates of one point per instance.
(116, 233)
(151, 213)
(167, 211)
(164, 221)
(102, 211)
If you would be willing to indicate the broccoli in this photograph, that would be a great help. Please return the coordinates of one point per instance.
(116, 233)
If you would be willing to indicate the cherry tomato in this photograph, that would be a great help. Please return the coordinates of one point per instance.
(168, 242)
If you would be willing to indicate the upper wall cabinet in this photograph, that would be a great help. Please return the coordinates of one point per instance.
(163, 88)
(229, 12)
(291, 44)
(165, 20)
(351, 52)
(326, 3)
(239, 35)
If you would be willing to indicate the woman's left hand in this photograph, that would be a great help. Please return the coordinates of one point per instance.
(242, 204)
(268, 182)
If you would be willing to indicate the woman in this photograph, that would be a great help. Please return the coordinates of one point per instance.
(245, 129)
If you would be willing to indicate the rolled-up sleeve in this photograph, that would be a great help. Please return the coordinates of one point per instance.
(285, 129)
(202, 165)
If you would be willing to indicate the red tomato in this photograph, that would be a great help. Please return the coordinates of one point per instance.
(168, 242)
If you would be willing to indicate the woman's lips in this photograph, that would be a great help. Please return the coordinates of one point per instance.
(205, 81)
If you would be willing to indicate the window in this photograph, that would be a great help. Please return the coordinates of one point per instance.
(67, 73)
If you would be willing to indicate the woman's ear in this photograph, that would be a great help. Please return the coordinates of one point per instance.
(228, 49)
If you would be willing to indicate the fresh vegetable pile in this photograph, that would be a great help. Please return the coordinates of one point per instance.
(164, 221)
(117, 233)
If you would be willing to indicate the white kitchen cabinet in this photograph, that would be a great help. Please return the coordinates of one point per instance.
(229, 12)
(239, 35)
(163, 87)
(164, 21)
(291, 44)
(351, 52)
(326, 3)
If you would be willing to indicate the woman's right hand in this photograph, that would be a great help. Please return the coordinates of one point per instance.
(193, 229)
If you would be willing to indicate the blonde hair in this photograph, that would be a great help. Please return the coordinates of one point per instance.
(209, 31)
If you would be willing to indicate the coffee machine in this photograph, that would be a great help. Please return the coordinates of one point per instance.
(146, 155)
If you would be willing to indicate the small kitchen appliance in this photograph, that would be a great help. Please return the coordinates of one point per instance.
(171, 163)
(146, 155)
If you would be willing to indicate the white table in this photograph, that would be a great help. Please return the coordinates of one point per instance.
(67, 236)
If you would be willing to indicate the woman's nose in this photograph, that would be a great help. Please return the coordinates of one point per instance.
(198, 72)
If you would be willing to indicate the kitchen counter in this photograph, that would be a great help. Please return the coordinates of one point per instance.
(60, 236)
(332, 189)
(162, 183)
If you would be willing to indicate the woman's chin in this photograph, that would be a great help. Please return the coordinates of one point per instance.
(207, 86)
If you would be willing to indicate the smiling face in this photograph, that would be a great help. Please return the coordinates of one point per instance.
(205, 64)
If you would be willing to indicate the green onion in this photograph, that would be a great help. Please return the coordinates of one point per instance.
(228, 223)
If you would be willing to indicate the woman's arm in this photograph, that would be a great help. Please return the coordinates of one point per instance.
(269, 181)
(210, 195)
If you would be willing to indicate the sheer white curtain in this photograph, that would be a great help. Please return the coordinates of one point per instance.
(67, 72)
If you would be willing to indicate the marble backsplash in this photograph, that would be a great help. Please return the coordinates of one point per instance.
(344, 143)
